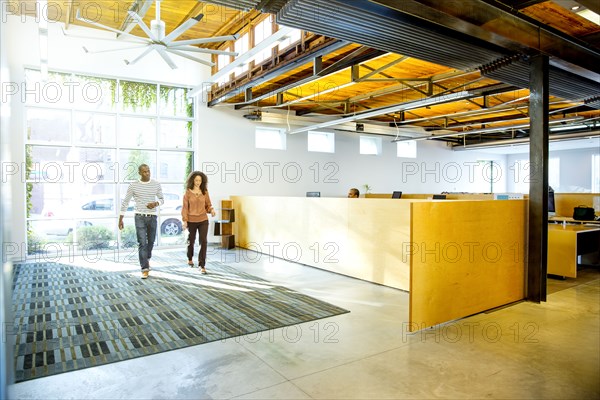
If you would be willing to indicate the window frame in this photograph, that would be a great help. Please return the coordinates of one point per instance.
(175, 106)
(320, 142)
(374, 142)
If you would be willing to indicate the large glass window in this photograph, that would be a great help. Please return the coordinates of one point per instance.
(84, 148)
(59, 90)
(523, 173)
(137, 97)
(291, 39)
(595, 173)
(48, 125)
(554, 173)
(262, 31)
(95, 128)
(241, 47)
(93, 93)
(222, 61)
(175, 133)
(137, 132)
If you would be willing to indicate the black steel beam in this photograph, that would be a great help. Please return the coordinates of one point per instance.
(538, 186)
(521, 4)
(474, 17)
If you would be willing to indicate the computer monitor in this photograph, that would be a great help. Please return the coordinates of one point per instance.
(551, 206)
(439, 197)
(313, 194)
(396, 195)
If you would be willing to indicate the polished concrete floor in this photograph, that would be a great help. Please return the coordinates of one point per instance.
(524, 351)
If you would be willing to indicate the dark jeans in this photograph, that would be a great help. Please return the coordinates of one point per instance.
(145, 229)
(202, 229)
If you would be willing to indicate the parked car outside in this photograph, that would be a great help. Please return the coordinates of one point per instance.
(90, 210)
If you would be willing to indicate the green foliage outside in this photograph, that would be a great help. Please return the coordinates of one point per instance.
(136, 158)
(33, 240)
(190, 159)
(128, 237)
(137, 94)
(35, 243)
(92, 237)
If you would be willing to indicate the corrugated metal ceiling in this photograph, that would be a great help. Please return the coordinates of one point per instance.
(389, 30)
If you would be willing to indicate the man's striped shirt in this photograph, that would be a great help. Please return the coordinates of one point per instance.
(142, 194)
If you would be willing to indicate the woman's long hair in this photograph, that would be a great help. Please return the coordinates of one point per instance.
(192, 176)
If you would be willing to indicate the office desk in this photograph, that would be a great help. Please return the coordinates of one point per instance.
(570, 220)
(567, 242)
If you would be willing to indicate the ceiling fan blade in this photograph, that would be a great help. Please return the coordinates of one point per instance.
(142, 25)
(138, 58)
(182, 28)
(202, 50)
(128, 24)
(115, 49)
(166, 57)
(182, 54)
(205, 40)
(108, 28)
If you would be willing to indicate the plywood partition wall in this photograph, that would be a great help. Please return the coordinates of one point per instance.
(467, 257)
(565, 202)
(361, 238)
(429, 196)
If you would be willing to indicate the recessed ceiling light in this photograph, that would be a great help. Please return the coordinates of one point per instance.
(575, 8)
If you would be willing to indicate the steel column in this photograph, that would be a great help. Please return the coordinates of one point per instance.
(538, 186)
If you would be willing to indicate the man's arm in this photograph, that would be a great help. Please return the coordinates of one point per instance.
(125, 204)
(159, 195)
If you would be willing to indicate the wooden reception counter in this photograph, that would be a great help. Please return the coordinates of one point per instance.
(455, 257)
(568, 242)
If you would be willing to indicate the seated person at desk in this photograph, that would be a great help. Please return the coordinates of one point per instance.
(353, 193)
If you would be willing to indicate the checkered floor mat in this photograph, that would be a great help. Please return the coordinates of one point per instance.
(71, 317)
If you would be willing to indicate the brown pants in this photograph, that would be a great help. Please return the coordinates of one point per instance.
(202, 228)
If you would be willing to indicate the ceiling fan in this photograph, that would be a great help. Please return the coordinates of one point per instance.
(157, 40)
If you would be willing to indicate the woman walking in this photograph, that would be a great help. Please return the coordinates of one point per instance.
(196, 206)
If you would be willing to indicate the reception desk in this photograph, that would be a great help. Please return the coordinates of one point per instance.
(566, 243)
(455, 257)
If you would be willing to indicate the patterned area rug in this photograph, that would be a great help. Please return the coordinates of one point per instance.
(69, 317)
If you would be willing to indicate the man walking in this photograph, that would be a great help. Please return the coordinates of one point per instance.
(145, 193)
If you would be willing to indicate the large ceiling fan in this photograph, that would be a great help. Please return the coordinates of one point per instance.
(161, 43)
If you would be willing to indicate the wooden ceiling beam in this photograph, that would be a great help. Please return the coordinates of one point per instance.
(199, 8)
(384, 67)
(69, 12)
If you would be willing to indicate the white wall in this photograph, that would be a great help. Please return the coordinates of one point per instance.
(6, 353)
(234, 167)
(575, 169)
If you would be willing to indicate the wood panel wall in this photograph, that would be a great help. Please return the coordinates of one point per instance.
(565, 202)
(469, 257)
(361, 238)
(456, 257)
